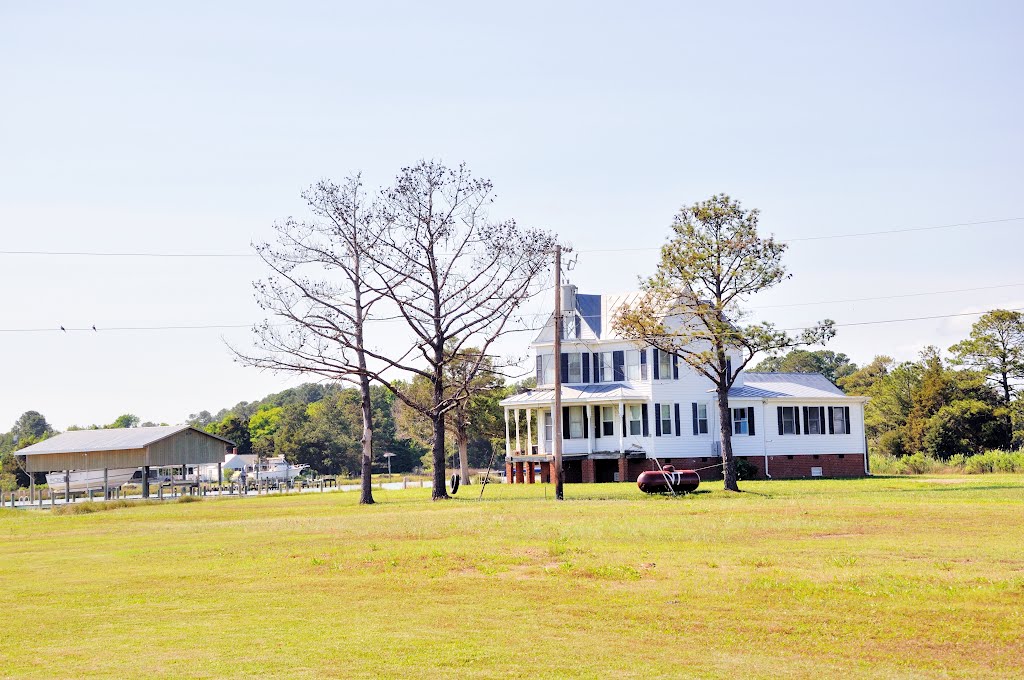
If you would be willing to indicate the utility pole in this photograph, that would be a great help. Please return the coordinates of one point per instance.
(556, 422)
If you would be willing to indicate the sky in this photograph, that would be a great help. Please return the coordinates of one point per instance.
(191, 127)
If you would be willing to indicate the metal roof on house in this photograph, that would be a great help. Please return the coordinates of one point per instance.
(119, 439)
(600, 392)
(783, 386)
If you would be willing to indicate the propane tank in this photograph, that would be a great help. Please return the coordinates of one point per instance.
(668, 479)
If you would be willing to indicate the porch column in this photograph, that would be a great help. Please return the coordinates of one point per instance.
(542, 446)
(588, 416)
(529, 432)
(106, 485)
(528, 469)
(621, 426)
(508, 437)
(519, 446)
(519, 473)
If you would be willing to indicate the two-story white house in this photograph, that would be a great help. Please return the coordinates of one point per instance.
(624, 405)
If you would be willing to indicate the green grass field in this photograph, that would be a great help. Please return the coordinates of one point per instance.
(889, 577)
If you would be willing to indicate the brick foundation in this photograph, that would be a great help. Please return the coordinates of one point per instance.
(779, 467)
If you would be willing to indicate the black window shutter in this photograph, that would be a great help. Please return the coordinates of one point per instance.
(655, 362)
(831, 420)
(846, 418)
(623, 422)
(597, 367)
(597, 422)
(540, 369)
(643, 416)
(566, 433)
(821, 420)
(750, 420)
(675, 367)
(619, 365)
(585, 364)
(565, 367)
(679, 426)
(806, 422)
(643, 364)
(657, 418)
(728, 367)
(796, 420)
(586, 422)
(782, 430)
(696, 426)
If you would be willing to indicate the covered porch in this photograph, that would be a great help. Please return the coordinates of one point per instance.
(601, 424)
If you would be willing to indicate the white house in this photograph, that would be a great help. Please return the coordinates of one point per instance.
(624, 405)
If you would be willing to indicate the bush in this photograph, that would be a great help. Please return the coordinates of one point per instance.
(892, 444)
(745, 470)
(995, 461)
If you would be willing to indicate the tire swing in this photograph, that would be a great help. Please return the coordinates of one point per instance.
(455, 484)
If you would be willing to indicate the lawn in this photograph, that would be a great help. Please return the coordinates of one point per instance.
(885, 577)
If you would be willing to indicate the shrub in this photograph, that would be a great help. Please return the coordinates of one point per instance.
(892, 443)
(745, 470)
(995, 461)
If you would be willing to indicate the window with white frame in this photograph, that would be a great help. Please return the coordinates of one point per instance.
(607, 367)
(789, 420)
(636, 423)
(632, 364)
(814, 424)
(740, 425)
(607, 421)
(702, 418)
(839, 420)
(549, 425)
(547, 365)
(576, 422)
(664, 365)
(575, 368)
(666, 418)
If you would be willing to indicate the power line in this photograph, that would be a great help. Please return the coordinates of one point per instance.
(883, 232)
(93, 329)
(904, 230)
(912, 318)
(837, 302)
(95, 253)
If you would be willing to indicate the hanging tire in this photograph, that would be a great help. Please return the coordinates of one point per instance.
(455, 484)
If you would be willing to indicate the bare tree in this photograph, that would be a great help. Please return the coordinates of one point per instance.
(455, 277)
(322, 289)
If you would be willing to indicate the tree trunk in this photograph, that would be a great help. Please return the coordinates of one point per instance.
(366, 492)
(728, 462)
(463, 443)
(440, 492)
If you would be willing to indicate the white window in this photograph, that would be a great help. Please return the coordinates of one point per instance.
(549, 425)
(636, 425)
(632, 364)
(607, 367)
(839, 420)
(664, 366)
(814, 424)
(702, 418)
(607, 421)
(547, 365)
(575, 368)
(666, 418)
(739, 421)
(788, 420)
(576, 422)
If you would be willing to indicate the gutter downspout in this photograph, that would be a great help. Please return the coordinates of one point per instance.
(764, 436)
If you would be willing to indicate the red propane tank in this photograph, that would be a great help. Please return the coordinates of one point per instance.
(668, 479)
